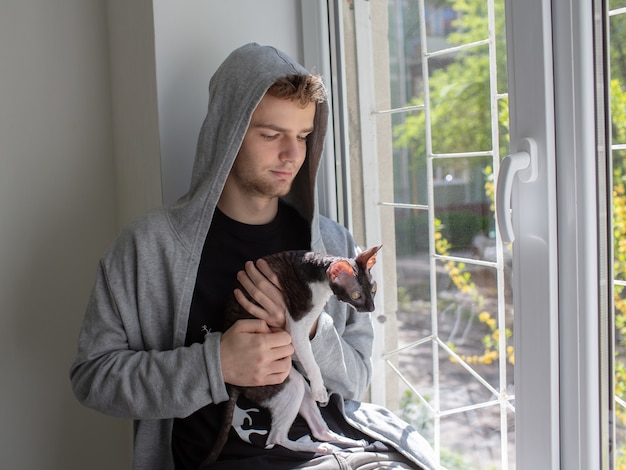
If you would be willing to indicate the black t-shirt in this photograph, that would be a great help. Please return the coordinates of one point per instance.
(229, 244)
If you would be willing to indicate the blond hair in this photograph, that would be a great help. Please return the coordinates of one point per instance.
(303, 88)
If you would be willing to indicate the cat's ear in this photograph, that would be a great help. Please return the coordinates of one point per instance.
(338, 269)
(368, 257)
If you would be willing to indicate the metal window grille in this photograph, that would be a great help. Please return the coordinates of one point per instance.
(463, 417)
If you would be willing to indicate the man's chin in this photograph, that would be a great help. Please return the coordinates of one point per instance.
(280, 191)
(274, 194)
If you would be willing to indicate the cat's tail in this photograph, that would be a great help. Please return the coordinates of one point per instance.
(227, 421)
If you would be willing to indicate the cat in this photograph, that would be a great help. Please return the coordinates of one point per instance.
(309, 279)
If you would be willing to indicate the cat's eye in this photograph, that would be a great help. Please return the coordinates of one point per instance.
(356, 295)
(374, 289)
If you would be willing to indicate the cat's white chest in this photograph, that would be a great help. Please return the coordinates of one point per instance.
(300, 330)
(320, 293)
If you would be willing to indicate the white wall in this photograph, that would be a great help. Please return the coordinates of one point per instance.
(76, 160)
(134, 105)
(191, 43)
(57, 214)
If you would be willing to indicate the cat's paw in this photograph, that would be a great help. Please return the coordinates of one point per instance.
(320, 395)
(326, 448)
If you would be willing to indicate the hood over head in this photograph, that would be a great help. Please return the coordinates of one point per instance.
(235, 90)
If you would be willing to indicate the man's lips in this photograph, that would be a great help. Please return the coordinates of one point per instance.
(283, 174)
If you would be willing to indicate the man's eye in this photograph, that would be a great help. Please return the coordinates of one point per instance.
(269, 137)
(303, 137)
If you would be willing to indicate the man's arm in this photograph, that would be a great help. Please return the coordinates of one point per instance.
(122, 370)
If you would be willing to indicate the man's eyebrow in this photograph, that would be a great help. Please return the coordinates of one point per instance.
(276, 128)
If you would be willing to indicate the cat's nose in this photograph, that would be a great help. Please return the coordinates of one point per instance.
(367, 307)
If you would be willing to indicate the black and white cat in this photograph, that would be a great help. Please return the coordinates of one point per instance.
(308, 279)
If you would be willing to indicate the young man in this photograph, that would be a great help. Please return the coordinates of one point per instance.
(151, 348)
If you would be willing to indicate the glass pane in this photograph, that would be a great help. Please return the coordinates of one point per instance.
(617, 55)
(409, 158)
(454, 356)
(405, 57)
(463, 207)
(616, 4)
(619, 247)
(460, 102)
(476, 449)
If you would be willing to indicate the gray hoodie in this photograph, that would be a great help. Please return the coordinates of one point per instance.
(131, 360)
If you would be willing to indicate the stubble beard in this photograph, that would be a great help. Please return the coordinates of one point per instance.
(261, 188)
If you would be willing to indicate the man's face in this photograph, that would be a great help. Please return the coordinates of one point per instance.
(274, 147)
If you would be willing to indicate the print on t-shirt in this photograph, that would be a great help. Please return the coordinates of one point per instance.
(243, 420)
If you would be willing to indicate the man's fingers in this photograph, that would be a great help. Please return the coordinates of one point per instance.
(250, 358)
(252, 308)
(270, 303)
(265, 269)
(251, 326)
(280, 372)
(248, 283)
(258, 286)
(265, 281)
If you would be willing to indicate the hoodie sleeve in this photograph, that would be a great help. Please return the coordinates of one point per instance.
(342, 347)
(121, 371)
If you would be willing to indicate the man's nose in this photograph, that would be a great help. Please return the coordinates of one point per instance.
(291, 149)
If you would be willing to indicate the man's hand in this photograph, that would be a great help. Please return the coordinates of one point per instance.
(253, 354)
(260, 282)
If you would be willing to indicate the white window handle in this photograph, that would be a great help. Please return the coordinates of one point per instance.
(524, 164)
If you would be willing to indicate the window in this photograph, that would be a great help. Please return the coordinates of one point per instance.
(471, 329)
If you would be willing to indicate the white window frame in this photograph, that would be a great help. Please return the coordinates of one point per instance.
(585, 254)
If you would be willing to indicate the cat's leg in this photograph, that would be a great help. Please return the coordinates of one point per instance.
(319, 429)
(299, 331)
(284, 407)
